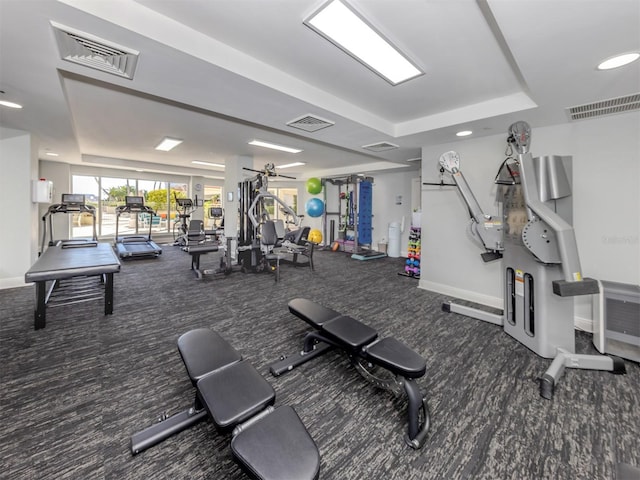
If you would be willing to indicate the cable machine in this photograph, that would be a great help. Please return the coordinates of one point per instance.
(354, 215)
(539, 252)
(253, 212)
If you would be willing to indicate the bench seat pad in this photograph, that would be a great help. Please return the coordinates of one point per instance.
(203, 351)
(349, 331)
(201, 249)
(235, 393)
(397, 357)
(277, 447)
(311, 312)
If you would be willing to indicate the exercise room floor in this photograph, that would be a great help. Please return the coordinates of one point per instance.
(72, 394)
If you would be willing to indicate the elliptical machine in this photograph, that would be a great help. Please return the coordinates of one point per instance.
(538, 248)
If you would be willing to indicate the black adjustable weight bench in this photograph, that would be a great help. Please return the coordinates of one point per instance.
(368, 354)
(268, 443)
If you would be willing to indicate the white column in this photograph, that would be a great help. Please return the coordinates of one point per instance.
(19, 241)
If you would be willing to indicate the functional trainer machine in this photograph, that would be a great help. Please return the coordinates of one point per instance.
(268, 443)
(136, 245)
(540, 256)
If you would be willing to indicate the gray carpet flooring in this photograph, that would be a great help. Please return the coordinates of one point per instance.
(72, 394)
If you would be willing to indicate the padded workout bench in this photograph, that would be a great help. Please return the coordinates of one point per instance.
(267, 442)
(196, 251)
(73, 264)
(366, 352)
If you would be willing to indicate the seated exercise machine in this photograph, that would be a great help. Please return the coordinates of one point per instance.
(268, 443)
(256, 251)
(372, 357)
(197, 250)
(539, 252)
(136, 246)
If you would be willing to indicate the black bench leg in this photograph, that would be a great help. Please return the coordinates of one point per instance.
(108, 294)
(40, 313)
(417, 431)
(167, 427)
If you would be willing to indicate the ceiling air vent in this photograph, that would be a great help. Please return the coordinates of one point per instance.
(380, 147)
(605, 107)
(93, 52)
(310, 123)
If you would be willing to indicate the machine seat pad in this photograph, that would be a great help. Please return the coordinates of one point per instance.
(395, 356)
(204, 351)
(277, 447)
(349, 331)
(201, 249)
(235, 393)
(311, 312)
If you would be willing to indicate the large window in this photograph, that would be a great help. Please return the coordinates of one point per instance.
(107, 193)
(212, 198)
(290, 198)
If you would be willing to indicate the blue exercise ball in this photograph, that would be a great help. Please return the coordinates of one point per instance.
(314, 207)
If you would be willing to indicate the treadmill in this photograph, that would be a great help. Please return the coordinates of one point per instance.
(72, 203)
(135, 246)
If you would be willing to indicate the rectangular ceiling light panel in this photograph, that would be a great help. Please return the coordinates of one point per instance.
(168, 143)
(341, 25)
(273, 146)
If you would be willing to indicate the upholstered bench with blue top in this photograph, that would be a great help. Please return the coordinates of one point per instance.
(368, 354)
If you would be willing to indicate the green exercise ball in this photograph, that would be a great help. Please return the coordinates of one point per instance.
(314, 186)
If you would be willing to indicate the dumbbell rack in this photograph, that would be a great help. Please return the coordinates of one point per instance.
(412, 265)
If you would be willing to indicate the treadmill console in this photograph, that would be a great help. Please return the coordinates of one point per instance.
(184, 202)
(215, 212)
(73, 199)
(134, 202)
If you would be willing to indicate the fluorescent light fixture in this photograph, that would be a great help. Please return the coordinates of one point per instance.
(168, 143)
(282, 148)
(464, 133)
(619, 61)
(52, 154)
(289, 165)
(340, 24)
(208, 164)
(4, 103)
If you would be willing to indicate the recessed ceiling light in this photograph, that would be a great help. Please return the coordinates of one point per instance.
(282, 148)
(289, 165)
(52, 154)
(464, 133)
(208, 164)
(168, 143)
(4, 103)
(619, 61)
(341, 25)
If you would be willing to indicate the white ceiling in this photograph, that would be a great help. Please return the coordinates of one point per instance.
(218, 73)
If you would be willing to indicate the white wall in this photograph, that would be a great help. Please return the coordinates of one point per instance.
(606, 203)
(18, 241)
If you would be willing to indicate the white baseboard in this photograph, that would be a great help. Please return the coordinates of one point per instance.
(584, 324)
(12, 282)
(468, 295)
(581, 323)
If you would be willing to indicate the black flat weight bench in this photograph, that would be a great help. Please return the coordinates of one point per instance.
(268, 443)
(368, 354)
